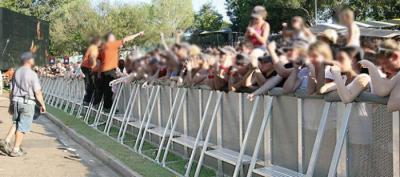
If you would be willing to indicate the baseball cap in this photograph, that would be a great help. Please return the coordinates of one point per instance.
(259, 11)
(26, 56)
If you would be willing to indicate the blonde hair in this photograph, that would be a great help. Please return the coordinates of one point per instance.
(323, 49)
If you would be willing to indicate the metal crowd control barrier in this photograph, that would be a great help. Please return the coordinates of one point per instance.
(276, 135)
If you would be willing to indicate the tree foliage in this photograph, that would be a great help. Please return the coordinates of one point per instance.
(72, 22)
(208, 19)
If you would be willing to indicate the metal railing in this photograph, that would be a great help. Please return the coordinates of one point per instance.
(275, 135)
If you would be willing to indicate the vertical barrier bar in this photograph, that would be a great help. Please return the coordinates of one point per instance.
(264, 123)
(300, 151)
(239, 161)
(149, 111)
(150, 115)
(199, 134)
(318, 140)
(208, 136)
(396, 144)
(340, 141)
(171, 133)
(114, 106)
(131, 103)
(169, 121)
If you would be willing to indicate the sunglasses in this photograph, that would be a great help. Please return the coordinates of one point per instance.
(385, 51)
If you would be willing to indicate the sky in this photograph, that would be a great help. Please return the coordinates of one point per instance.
(218, 4)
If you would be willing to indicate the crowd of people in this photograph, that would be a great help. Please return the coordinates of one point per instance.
(300, 59)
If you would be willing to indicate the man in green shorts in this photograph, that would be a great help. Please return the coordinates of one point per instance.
(26, 91)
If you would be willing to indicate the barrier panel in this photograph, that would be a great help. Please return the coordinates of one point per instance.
(274, 135)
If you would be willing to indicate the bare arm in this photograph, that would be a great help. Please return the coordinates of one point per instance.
(39, 98)
(132, 37)
(292, 82)
(262, 38)
(351, 91)
(259, 77)
(394, 99)
(271, 83)
(381, 86)
(328, 87)
(278, 65)
(163, 42)
(94, 53)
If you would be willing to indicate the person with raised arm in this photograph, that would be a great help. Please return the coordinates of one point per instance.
(347, 76)
(109, 63)
(321, 59)
(389, 85)
(353, 31)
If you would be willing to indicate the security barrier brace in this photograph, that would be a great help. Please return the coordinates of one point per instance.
(275, 135)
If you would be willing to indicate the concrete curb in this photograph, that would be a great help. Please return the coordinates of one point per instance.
(99, 153)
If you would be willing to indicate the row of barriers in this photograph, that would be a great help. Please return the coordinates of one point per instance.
(274, 135)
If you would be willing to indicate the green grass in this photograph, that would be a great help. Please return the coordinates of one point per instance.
(134, 161)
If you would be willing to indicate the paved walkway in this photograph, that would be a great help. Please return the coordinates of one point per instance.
(47, 155)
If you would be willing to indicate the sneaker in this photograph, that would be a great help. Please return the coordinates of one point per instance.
(18, 153)
(5, 147)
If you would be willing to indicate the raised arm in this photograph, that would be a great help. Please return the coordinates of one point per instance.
(278, 65)
(132, 37)
(163, 42)
(292, 82)
(271, 83)
(348, 93)
(381, 86)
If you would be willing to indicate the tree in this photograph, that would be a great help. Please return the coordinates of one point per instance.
(208, 19)
(170, 16)
(38, 8)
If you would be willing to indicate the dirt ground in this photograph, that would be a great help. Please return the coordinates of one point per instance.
(48, 153)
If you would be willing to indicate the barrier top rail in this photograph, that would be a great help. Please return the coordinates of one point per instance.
(329, 97)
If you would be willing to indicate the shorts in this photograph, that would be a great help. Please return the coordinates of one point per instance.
(23, 116)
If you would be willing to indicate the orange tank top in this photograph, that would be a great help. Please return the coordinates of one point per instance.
(86, 58)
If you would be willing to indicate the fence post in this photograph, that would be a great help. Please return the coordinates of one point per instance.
(396, 144)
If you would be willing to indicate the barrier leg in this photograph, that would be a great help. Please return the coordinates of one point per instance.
(267, 116)
(171, 134)
(146, 112)
(131, 103)
(239, 161)
(199, 134)
(396, 144)
(149, 119)
(318, 140)
(205, 145)
(339, 144)
(167, 126)
(111, 114)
